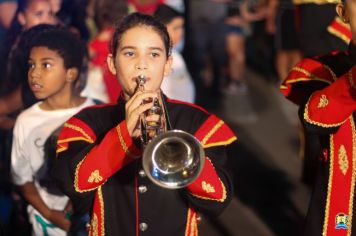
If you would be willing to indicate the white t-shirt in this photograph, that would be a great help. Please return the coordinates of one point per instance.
(95, 86)
(178, 84)
(32, 128)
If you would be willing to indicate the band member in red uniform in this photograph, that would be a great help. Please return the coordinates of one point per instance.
(325, 90)
(99, 162)
(320, 29)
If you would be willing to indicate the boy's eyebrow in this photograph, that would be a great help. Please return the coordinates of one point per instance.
(151, 48)
(47, 58)
(43, 59)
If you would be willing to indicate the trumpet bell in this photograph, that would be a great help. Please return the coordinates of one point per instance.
(173, 159)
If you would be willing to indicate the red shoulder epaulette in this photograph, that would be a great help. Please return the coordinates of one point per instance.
(74, 130)
(214, 132)
(307, 70)
(332, 106)
(340, 30)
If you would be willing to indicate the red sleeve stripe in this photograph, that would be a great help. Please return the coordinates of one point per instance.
(74, 130)
(340, 30)
(192, 225)
(214, 132)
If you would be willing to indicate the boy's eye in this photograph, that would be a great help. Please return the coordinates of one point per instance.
(31, 66)
(46, 65)
(155, 54)
(38, 13)
(130, 54)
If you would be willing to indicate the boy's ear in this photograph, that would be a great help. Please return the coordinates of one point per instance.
(340, 10)
(21, 18)
(72, 74)
(168, 66)
(111, 63)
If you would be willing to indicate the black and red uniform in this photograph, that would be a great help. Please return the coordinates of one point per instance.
(321, 31)
(99, 168)
(325, 90)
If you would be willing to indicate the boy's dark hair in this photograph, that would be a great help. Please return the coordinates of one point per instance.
(166, 14)
(138, 19)
(67, 44)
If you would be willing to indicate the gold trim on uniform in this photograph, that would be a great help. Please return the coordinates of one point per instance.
(102, 212)
(307, 118)
(76, 177)
(323, 102)
(331, 72)
(343, 161)
(351, 201)
(229, 141)
(68, 140)
(338, 34)
(95, 177)
(211, 132)
(191, 228)
(94, 225)
(194, 226)
(188, 222)
(310, 76)
(80, 130)
(207, 187)
(123, 144)
(222, 199)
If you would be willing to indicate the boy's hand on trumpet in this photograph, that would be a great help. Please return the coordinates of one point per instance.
(140, 102)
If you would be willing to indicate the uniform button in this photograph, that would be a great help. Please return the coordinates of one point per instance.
(143, 226)
(142, 173)
(142, 189)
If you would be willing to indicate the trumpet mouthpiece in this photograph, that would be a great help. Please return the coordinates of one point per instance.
(141, 79)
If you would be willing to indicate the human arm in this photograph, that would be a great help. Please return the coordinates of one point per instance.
(212, 191)
(23, 165)
(254, 14)
(271, 11)
(89, 160)
(31, 195)
(8, 104)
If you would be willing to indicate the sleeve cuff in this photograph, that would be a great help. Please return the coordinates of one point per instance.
(208, 185)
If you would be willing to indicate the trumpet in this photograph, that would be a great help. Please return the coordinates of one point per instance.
(171, 158)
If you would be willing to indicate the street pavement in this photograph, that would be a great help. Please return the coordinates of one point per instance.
(269, 197)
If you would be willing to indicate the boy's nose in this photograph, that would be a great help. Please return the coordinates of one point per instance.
(33, 73)
(141, 65)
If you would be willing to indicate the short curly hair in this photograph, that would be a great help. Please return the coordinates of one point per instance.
(67, 44)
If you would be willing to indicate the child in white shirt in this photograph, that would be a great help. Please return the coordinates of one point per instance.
(55, 61)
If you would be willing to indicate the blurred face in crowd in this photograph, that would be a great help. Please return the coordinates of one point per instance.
(141, 51)
(176, 29)
(47, 76)
(37, 12)
(347, 12)
(55, 5)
